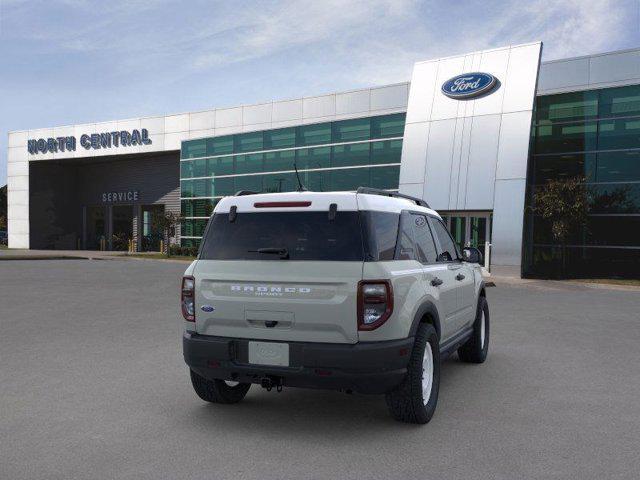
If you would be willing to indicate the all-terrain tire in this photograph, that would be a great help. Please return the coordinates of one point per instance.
(477, 347)
(406, 402)
(217, 391)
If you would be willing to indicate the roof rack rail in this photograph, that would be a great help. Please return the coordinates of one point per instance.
(242, 193)
(385, 193)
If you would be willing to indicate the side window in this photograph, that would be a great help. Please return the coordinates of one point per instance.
(424, 241)
(447, 252)
(405, 249)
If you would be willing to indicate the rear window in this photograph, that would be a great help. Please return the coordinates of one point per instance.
(304, 235)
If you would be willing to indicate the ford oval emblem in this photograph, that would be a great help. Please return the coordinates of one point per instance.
(469, 85)
(207, 308)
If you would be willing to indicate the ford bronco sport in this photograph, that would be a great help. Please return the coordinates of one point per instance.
(356, 291)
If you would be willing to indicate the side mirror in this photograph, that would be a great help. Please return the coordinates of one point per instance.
(472, 255)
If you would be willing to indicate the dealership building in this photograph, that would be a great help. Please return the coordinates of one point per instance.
(476, 135)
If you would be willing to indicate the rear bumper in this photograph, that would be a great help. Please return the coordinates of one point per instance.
(366, 367)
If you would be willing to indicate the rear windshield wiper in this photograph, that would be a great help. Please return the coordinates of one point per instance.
(283, 252)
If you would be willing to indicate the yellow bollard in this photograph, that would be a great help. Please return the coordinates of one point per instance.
(161, 246)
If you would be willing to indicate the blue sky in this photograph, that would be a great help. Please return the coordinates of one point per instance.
(73, 61)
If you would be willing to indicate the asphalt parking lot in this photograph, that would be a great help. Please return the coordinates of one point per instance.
(92, 385)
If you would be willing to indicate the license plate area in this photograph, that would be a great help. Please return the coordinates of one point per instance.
(269, 353)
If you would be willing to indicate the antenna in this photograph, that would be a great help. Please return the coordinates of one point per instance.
(301, 187)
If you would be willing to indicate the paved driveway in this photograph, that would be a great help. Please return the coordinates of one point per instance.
(92, 385)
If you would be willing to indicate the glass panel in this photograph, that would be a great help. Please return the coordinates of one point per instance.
(220, 187)
(317, 181)
(122, 227)
(220, 166)
(194, 148)
(351, 130)
(619, 134)
(186, 169)
(388, 126)
(319, 157)
(585, 262)
(248, 142)
(478, 233)
(190, 242)
(96, 227)
(186, 188)
(348, 179)
(566, 138)
(279, 182)
(380, 231)
(448, 251)
(193, 228)
(199, 188)
(549, 167)
(458, 229)
(305, 236)
(424, 241)
(347, 155)
(620, 102)
(387, 178)
(220, 145)
(198, 208)
(313, 134)
(280, 138)
(615, 198)
(566, 107)
(275, 161)
(406, 244)
(618, 167)
(252, 163)
(151, 233)
(252, 183)
(388, 151)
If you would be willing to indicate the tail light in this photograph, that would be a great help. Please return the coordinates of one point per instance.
(187, 299)
(375, 303)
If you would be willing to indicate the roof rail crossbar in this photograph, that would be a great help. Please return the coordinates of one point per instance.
(241, 193)
(385, 193)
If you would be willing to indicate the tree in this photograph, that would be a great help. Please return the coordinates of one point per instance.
(565, 204)
(166, 222)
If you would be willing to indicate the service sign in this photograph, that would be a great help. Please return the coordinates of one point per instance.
(469, 85)
(119, 197)
(93, 141)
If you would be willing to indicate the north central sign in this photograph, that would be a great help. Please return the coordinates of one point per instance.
(469, 85)
(93, 141)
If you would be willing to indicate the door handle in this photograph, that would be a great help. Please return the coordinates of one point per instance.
(436, 282)
(459, 277)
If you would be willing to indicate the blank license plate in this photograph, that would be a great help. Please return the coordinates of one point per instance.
(267, 353)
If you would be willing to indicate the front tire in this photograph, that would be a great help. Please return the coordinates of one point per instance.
(477, 347)
(218, 391)
(415, 399)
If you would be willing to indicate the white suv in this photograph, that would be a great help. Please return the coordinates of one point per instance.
(363, 291)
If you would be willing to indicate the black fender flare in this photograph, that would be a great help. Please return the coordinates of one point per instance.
(426, 308)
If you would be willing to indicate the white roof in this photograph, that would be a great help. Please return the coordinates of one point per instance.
(319, 201)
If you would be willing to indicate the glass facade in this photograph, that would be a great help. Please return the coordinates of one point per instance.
(593, 135)
(341, 155)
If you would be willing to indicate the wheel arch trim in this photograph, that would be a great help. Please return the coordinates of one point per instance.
(426, 308)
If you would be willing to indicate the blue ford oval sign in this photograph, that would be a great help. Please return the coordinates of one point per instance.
(207, 308)
(468, 85)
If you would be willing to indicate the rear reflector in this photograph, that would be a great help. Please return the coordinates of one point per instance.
(281, 204)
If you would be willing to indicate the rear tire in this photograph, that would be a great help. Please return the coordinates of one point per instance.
(218, 391)
(477, 347)
(415, 399)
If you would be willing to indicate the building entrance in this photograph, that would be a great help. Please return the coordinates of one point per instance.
(96, 230)
(470, 229)
(121, 227)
